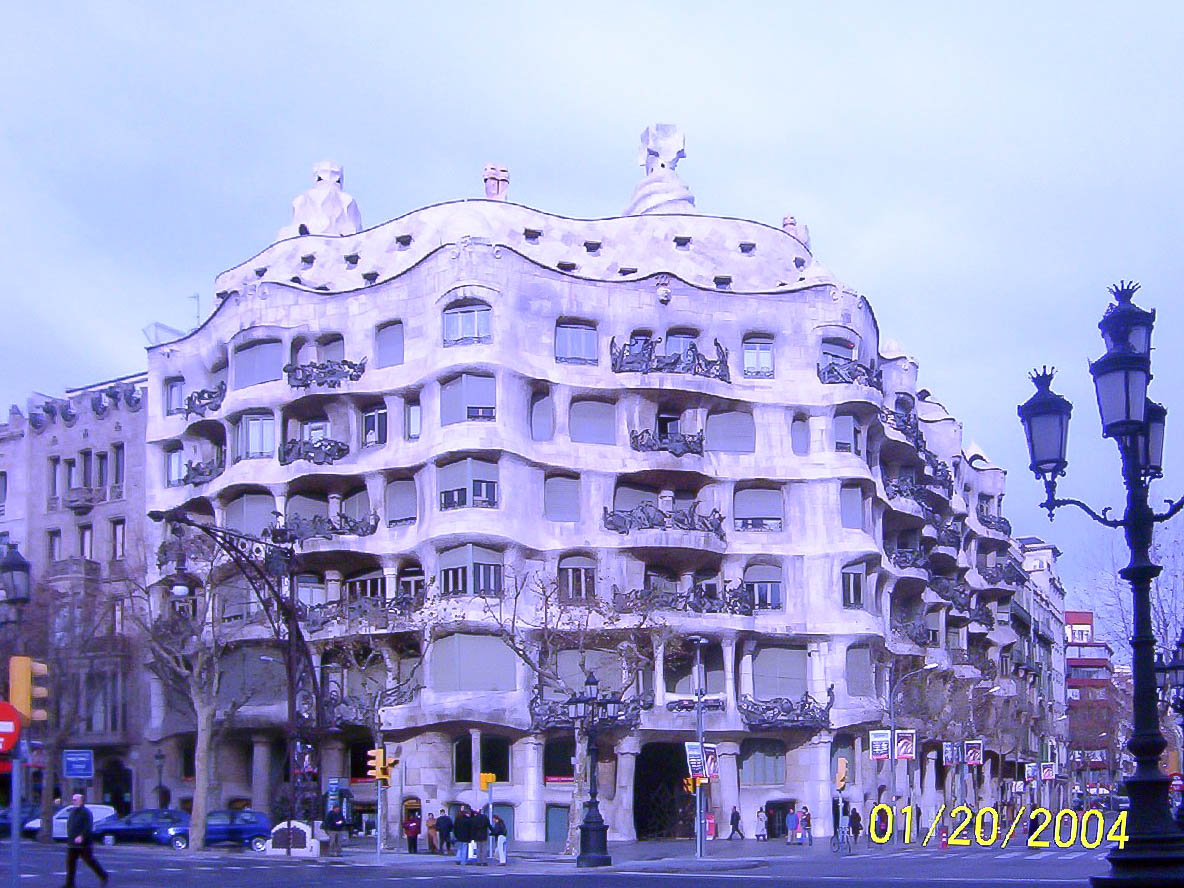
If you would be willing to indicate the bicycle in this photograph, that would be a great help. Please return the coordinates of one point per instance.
(841, 840)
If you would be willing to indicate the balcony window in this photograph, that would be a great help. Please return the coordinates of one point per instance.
(577, 578)
(762, 584)
(628, 496)
(678, 342)
(757, 509)
(561, 498)
(356, 505)
(762, 762)
(55, 465)
(779, 671)
(368, 585)
(730, 432)
(593, 422)
(851, 506)
(860, 675)
(400, 502)
(100, 470)
(331, 348)
(542, 417)
(53, 545)
(71, 474)
(174, 395)
(412, 419)
(758, 357)
(487, 579)
(374, 427)
(174, 466)
(468, 397)
(412, 582)
(836, 351)
(575, 343)
(117, 464)
(118, 539)
(668, 425)
(464, 662)
(848, 435)
(315, 430)
(680, 668)
(471, 570)
(255, 438)
(457, 479)
(308, 506)
(250, 513)
(388, 344)
(310, 589)
(258, 362)
(853, 576)
(86, 542)
(467, 324)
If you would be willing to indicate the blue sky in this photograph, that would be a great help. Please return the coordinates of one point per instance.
(981, 174)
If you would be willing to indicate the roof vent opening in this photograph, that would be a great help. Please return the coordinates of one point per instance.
(682, 241)
(404, 241)
(262, 270)
(370, 277)
(592, 247)
(626, 269)
(352, 259)
(747, 248)
(723, 281)
(566, 266)
(308, 259)
(532, 235)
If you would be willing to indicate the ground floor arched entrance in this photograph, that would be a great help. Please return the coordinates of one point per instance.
(663, 808)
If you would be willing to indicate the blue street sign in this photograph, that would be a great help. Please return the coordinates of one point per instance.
(78, 764)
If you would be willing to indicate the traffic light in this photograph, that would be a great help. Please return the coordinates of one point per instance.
(377, 766)
(488, 778)
(26, 684)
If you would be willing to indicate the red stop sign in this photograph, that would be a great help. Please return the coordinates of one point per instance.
(10, 726)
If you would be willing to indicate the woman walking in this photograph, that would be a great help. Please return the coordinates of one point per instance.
(433, 835)
(500, 835)
(856, 824)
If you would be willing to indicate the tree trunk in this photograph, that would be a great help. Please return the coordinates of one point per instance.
(202, 769)
(579, 793)
(49, 777)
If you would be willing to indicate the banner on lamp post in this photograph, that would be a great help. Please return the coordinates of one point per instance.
(949, 753)
(1030, 772)
(880, 744)
(906, 745)
(974, 753)
(1048, 770)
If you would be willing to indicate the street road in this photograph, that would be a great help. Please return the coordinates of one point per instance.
(151, 867)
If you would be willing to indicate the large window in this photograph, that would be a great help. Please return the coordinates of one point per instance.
(757, 509)
(356, 505)
(308, 506)
(680, 663)
(374, 426)
(466, 324)
(836, 351)
(542, 417)
(255, 436)
(400, 502)
(250, 513)
(559, 760)
(174, 395)
(679, 341)
(799, 435)
(730, 432)
(117, 463)
(854, 576)
(118, 538)
(86, 542)
(412, 419)
(561, 498)
(53, 545)
(471, 570)
(473, 663)
(388, 345)
(848, 435)
(593, 422)
(467, 397)
(577, 578)
(174, 466)
(575, 343)
(258, 362)
(494, 758)
(468, 482)
(762, 762)
(370, 584)
(851, 506)
(758, 357)
(779, 672)
(861, 679)
(762, 583)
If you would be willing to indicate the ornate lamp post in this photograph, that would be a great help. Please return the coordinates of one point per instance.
(1154, 852)
(893, 686)
(14, 584)
(158, 758)
(1169, 677)
(595, 712)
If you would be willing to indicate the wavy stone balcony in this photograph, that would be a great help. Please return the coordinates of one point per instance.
(205, 401)
(546, 714)
(328, 374)
(852, 372)
(321, 452)
(203, 472)
(646, 441)
(1008, 573)
(915, 631)
(648, 516)
(905, 423)
(952, 591)
(698, 599)
(640, 356)
(782, 712)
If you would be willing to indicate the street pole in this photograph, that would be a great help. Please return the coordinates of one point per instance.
(378, 823)
(14, 815)
(700, 837)
(892, 750)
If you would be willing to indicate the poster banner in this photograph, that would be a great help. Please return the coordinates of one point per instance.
(695, 764)
(1017, 786)
(974, 753)
(1030, 773)
(906, 745)
(711, 761)
(949, 753)
(1048, 770)
(880, 744)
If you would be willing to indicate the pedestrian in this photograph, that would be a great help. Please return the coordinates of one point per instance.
(856, 826)
(480, 828)
(882, 821)
(805, 822)
(762, 819)
(335, 826)
(845, 823)
(433, 835)
(80, 841)
(411, 831)
(735, 821)
(444, 829)
(462, 829)
(500, 835)
(791, 826)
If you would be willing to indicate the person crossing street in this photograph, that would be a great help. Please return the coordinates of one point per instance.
(80, 841)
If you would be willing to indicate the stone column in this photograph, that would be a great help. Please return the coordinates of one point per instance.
(332, 586)
(729, 788)
(729, 650)
(333, 761)
(660, 675)
(475, 763)
(390, 577)
(624, 827)
(260, 772)
(530, 824)
(746, 683)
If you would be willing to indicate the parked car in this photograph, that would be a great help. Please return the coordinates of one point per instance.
(58, 824)
(28, 812)
(243, 827)
(139, 826)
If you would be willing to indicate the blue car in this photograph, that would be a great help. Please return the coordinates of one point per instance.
(244, 827)
(28, 812)
(139, 826)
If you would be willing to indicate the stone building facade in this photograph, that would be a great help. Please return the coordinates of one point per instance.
(680, 422)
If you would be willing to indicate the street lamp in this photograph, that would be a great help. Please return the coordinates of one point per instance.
(595, 712)
(1154, 851)
(1169, 677)
(14, 584)
(893, 684)
(158, 757)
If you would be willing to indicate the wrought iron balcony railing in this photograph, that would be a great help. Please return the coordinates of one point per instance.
(201, 472)
(952, 591)
(909, 558)
(555, 713)
(764, 525)
(782, 712)
(981, 613)
(850, 372)
(330, 374)
(898, 487)
(905, 423)
(205, 401)
(298, 528)
(648, 516)
(698, 599)
(915, 631)
(1007, 571)
(320, 452)
(647, 441)
(997, 523)
(639, 355)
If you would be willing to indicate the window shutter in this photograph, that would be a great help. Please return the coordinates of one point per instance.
(452, 401)
(845, 433)
(479, 391)
(458, 556)
(779, 672)
(542, 418)
(258, 362)
(799, 436)
(453, 475)
(307, 506)
(400, 500)
(762, 573)
(851, 506)
(859, 671)
(482, 470)
(561, 499)
(388, 345)
(332, 349)
(357, 505)
(628, 497)
(757, 503)
(593, 422)
(731, 432)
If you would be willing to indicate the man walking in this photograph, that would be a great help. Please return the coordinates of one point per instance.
(334, 825)
(480, 828)
(735, 821)
(80, 842)
(463, 831)
(444, 830)
(806, 823)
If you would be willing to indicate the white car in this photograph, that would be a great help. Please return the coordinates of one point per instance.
(58, 825)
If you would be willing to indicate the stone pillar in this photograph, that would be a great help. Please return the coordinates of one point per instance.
(475, 762)
(530, 822)
(334, 505)
(746, 683)
(628, 749)
(930, 794)
(729, 651)
(660, 674)
(817, 792)
(729, 788)
(333, 761)
(332, 586)
(260, 772)
(390, 577)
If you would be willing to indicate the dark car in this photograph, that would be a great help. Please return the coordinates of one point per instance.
(238, 827)
(139, 826)
(28, 812)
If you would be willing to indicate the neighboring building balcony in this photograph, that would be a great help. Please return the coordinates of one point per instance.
(639, 355)
(324, 451)
(80, 500)
(324, 374)
(699, 599)
(852, 372)
(74, 568)
(1019, 615)
(677, 444)
(648, 516)
(782, 712)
